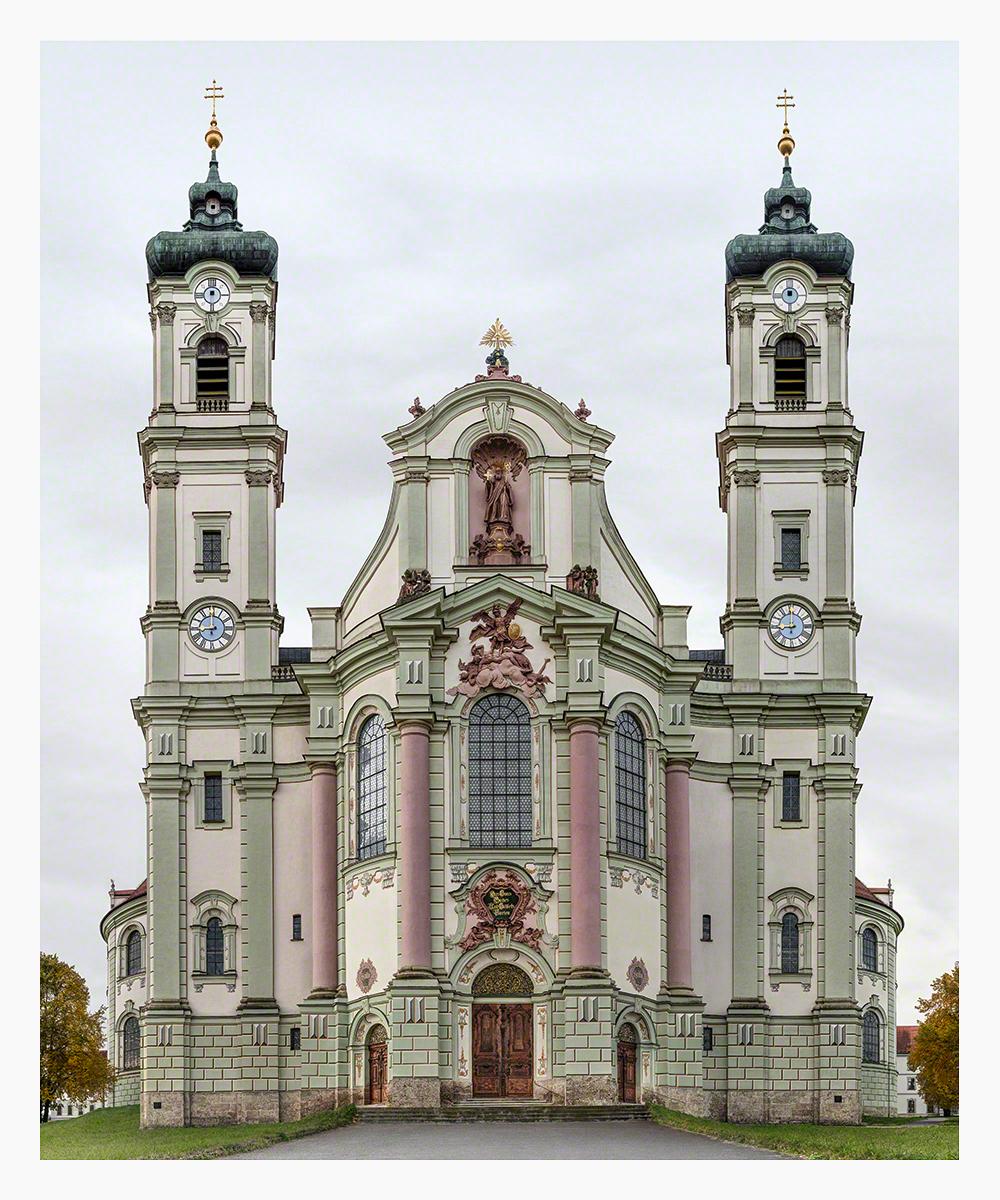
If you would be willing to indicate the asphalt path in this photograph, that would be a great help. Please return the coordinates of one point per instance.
(481, 1140)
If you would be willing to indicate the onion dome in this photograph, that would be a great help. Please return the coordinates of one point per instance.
(788, 232)
(212, 232)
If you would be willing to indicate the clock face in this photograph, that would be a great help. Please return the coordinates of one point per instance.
(212, 294)
(791, 626)
(789, 295)
(212, 627)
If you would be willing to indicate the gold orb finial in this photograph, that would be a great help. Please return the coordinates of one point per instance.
(213, 138)
(786, 143)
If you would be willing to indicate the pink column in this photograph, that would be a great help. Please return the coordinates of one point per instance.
(585, 847)
(325, 885)
(678, 876)
(415, 852)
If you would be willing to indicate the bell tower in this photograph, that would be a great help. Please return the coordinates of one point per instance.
(788, 456)
(212, 450)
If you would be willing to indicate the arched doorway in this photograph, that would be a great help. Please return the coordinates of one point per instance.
(502, 1033)
(627, 1043)
(377, 1086)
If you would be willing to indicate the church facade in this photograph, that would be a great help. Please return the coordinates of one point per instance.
(499, 832)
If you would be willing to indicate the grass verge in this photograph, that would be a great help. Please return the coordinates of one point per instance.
(115, 1133)
(825, 1141)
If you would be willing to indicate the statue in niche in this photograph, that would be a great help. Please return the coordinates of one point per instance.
(498, 462)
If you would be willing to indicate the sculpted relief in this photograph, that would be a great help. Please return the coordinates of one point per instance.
(498, 462)
(505, 664)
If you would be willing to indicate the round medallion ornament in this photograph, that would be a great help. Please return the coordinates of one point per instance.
(637, 974)
(789, 295)
(367, 976)
(212, 627)
(212, 295)
(791, 626)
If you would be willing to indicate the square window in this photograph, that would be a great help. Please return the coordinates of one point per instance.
(791, 549)
(211, 549)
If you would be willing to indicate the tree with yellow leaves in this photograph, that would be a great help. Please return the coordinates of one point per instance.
(71, 1038)
(934, 1056)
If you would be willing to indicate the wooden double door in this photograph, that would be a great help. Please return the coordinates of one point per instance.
(626, 1072)
(377, 1089)
(502, 1050)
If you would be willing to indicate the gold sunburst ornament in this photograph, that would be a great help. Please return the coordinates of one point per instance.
(496, 336)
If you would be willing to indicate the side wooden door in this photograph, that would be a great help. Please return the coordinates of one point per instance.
(626, 1072)
(518, 1050)
(486, 1050)
(378, 1072)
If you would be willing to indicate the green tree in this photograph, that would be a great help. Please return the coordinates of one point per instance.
(934, 1056)
(71, 1038)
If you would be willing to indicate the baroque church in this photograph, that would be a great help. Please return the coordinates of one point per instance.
(499, 833)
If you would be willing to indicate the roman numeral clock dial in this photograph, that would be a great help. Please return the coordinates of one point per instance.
(212, 627)
(791, 626)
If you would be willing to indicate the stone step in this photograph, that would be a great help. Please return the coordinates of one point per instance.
(493, 1110)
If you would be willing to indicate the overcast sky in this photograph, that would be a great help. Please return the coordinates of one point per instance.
(583, 192)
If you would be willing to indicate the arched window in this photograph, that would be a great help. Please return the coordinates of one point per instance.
(630, 786)
(215, 954)
(212, 375)
(130, 1044)
(372, 788)
(871, 1037)
(133, 953)
(869, 949)
(789, 373)
(790, 944)
(499, 773)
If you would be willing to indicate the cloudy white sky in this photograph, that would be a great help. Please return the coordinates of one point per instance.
(583, 192)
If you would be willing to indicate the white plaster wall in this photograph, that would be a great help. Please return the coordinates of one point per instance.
(382, 589)
(713, 743)
(225, 493)
(790, 861)
(617, 682)
(370, 924)
(618, 591)
(213, 861)
(212, 745)
(633, 931)
(383, 684)
(440, 528)
(289, 743)
(558, 527)
(790, 743)
(711, 892)
(292, 893)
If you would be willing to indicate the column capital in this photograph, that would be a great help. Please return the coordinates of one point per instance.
(317, 767)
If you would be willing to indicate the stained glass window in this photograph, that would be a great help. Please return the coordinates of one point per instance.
(211, 549)
(130, 1044)
(791, 796)
(215, 957)
(871, 1038)
(373, 791)
(791, 549)
(869, 949)
(630, 786)
(133, 953)
(499, 773)
(789, 944)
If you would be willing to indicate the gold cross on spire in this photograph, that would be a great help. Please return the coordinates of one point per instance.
(214, 93)
(786, 102)
(496, 336)
(214, 135)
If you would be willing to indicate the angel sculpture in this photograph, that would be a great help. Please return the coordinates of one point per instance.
(505, 665)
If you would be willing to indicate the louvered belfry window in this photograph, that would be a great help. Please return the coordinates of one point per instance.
(213, 375)
(789, 370)
(630, 786)
(499, 773)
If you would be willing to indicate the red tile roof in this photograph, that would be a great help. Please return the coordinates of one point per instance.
(121, 895)
(904, 1038)
(865, 892)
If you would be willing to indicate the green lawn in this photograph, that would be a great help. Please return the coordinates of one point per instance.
(115, 1133)
(826, 1141)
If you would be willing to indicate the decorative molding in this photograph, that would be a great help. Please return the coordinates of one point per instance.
(166, 312)
(165, 479)
(152, 319)
(746, 478)
(582, 411)
(367, 976)
(637, 974)
(384, 875)
(259, 477)
(745, 313)
(835, 313)
(639, 879)
(583, 581)
(258, 312)
(838, 475)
